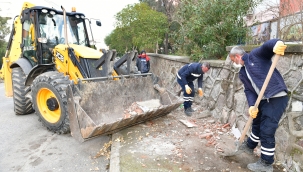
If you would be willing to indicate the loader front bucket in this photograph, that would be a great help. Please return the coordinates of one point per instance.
(104, 107)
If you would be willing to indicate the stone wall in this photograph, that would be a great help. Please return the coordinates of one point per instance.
(225, 100)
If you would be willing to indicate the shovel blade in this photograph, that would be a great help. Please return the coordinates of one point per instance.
(232, 152)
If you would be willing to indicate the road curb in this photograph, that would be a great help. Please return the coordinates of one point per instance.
(115, 154)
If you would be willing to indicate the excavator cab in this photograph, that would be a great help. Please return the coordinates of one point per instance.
(71, 86)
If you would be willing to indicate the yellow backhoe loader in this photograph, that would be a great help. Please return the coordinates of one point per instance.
(1, 74)
(50, 68)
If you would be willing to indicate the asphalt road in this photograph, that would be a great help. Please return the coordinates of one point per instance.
(28, 146)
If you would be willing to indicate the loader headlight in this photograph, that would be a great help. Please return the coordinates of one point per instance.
(77, 16)
(42, 40)
(82, 17)
(44, 10)
(52, 12)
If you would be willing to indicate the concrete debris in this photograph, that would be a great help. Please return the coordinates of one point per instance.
(224, 130)
(205, 135)
(150, 104)
(211, 121)
(207, 131)
(219, 150)
(236, 132)
(212, 132)
(225, 125)
(139, 108)
(188, 123)
(127, 115)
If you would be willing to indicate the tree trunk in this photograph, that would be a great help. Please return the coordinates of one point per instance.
(166, 44)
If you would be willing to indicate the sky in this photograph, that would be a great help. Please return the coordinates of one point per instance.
(104, 10)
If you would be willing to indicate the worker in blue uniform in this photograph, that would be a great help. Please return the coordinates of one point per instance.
(185, 77)
(254, 67)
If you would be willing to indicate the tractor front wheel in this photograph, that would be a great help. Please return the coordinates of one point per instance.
(50, 102)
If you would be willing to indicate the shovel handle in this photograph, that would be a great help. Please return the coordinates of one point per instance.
(250, 119)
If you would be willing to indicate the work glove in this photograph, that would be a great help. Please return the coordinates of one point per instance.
(253, 111)
(187, 89)
(200, 92)
(279, 48)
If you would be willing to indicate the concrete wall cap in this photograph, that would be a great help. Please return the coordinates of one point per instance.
(291, 48)
(185, 59)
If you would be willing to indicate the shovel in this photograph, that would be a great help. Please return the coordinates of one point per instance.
(250, 119)
(165, 96)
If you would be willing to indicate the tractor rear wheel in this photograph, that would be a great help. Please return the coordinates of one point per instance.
(50, 101)
(22, 103)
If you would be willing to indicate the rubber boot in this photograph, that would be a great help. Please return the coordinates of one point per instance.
(260, 166)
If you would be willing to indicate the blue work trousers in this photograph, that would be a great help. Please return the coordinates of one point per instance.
(188, 98)
(265, 125)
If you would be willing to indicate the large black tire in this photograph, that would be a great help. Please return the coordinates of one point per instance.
(22, 104)
(50, 101)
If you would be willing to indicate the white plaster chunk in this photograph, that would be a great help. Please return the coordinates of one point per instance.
(296, 106)
(236, 132)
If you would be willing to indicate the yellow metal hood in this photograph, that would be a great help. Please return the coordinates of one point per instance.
(86, 52)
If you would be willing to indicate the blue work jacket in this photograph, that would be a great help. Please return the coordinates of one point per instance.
(190, 72)
(257, 64)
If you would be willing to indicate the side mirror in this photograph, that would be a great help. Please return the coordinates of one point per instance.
(25, 15)
(98, 23)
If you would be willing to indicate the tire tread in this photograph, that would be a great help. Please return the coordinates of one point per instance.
(22, 104)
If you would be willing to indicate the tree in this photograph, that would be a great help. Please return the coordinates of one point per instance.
(167, 7)
(119, 39)
(206, 27)
(4, 31)
(137, 27)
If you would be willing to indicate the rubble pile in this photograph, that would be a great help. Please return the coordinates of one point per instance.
(212, 133)
(139, 108)
(177, 142)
